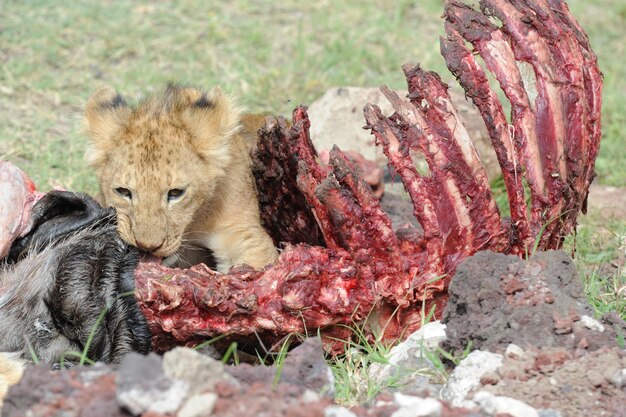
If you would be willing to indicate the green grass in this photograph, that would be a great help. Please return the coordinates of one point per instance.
(353, 382)
(605, 22)
(600, 253)
(358, 370)
(54, 54)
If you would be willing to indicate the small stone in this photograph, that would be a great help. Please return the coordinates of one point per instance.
(158, 399)
(412, 406)
(574, 316)
(136, 368)
(310, 396)
(510, 374)
(200, 372)
(428, 337)
(431, 334)
(95, 372)
(407, 359)
(618, 378)
(591, 323)
(466, 376)
(486, 401)
(513, 351)
(595, 378)
(548, 361)
(142, 386)
(336, 411)
(490, 378)
(494, 405)
(198, 405)
(562, 325)
(305, 367)
(227, 389)
(383, 403)
(385, 397)
(549, 413)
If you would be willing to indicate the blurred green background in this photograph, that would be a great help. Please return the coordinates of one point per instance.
(272, 55)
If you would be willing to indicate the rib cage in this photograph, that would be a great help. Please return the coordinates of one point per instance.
(342, 262)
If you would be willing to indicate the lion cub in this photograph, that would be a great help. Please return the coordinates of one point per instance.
(178, 172)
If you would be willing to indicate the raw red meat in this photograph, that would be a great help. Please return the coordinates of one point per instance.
(342, 262)
(17, 198)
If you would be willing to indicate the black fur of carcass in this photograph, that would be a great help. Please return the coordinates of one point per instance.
(71, 279)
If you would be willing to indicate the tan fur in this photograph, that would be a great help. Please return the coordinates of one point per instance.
(11, 370)
(181, 139)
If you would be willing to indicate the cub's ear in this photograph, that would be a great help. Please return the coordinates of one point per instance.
(213, 119)
(106, 113)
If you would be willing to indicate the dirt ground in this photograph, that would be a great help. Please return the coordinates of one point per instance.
(564, 359)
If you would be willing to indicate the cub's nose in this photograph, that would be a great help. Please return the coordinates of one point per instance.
(149, 247)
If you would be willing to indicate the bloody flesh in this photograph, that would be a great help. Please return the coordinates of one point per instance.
(342, 262)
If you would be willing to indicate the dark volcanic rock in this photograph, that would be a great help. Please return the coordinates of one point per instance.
(497, 299)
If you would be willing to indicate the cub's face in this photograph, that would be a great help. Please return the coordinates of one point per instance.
(156, 191)
(160, 163)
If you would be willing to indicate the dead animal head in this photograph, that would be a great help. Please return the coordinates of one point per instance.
(71, 285)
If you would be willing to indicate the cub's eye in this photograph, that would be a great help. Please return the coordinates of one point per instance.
(124, 192)
(174, 194)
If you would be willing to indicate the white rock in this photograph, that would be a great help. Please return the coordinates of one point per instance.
(466, 376)
(428, 337)
(407, 358)
(411, 406)
(381, 403)
(337, 118)
(199, 371)
(199, 405)
(618, 378)
(310, 396)
(591, 323)
(493, 405)
(95, 372)
(139, 400)
(335, 411)
(549, 413)
(513, 350)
